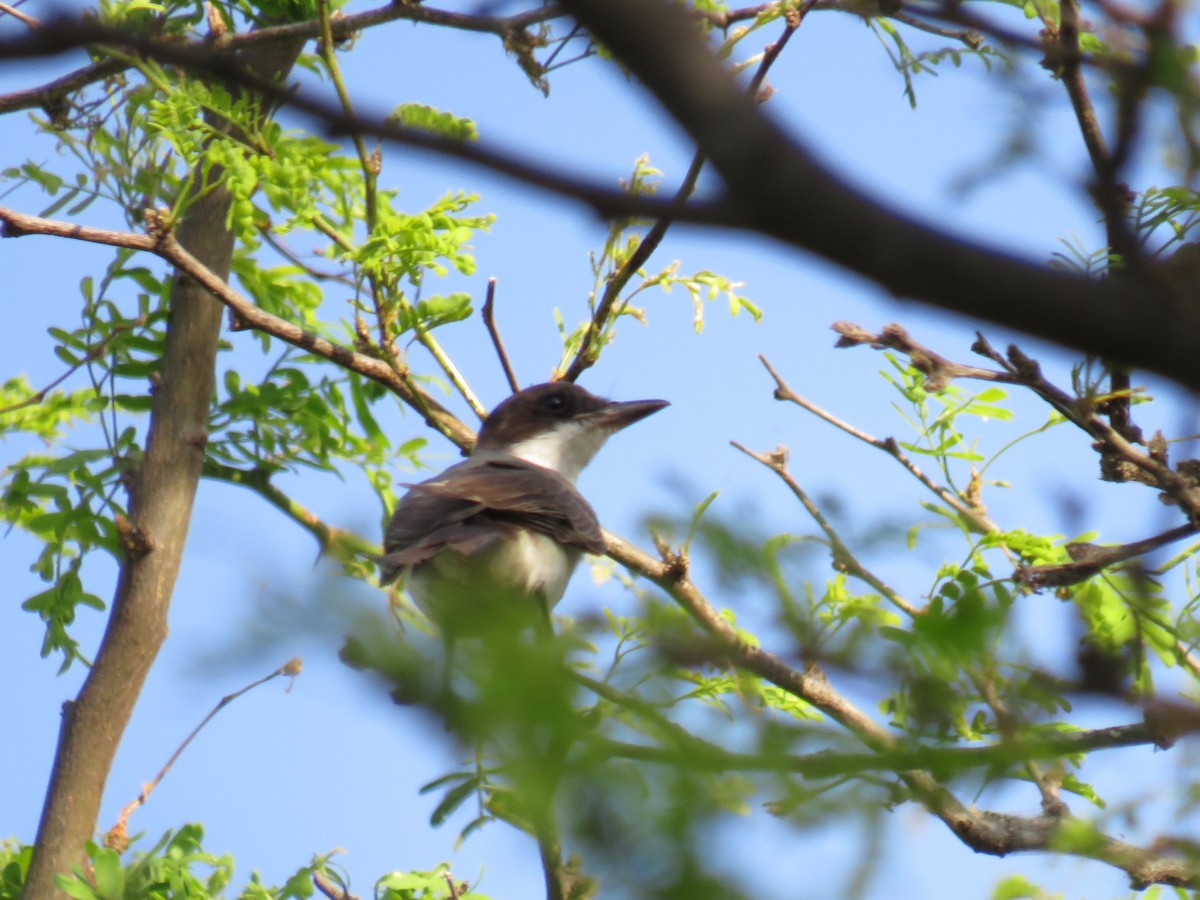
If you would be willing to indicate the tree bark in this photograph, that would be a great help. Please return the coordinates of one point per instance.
(162, 489)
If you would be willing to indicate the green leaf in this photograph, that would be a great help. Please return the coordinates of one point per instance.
(418, 115)
(108, 873)
(453, 799)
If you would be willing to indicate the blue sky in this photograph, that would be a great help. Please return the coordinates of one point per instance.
(280, 776)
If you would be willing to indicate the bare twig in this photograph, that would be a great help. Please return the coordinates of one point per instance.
(489, 320)
(326, 886)
(844, 559)
(974, 515)
(9, 9)
(117, 836)
(938, 370)
(968, 36)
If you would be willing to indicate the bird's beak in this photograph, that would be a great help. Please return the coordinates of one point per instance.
(618, 414)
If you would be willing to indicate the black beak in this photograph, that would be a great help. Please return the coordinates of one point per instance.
(619, 414)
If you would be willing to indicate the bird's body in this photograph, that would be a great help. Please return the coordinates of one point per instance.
(493, 541)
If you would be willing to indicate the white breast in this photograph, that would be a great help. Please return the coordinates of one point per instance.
(521, 577)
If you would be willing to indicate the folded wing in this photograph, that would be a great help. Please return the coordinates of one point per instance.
(460, 510)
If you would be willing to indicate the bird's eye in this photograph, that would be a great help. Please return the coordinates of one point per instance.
(555, 403)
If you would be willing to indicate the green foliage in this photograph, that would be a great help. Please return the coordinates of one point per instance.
(177, 866)
(434, 885)
(163, 147)
(614, 269)
(14, 866)
(70, 497)
(909, 63)
(1018, 887)
(418, 115)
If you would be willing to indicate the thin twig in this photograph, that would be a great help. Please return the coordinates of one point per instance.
(117, 835)
(442, 358)
(1111, 196)
(20, 16)
(946, 761)
(326, 886)
(341, 543)
(1089, 559)
(489, 320)
(844, 559)
(587, 353)
(975, 516)
(94, 352)
(1009, 725)
(281, 247)
(368, 164)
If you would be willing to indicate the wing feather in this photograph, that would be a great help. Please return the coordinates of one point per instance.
(461, 508)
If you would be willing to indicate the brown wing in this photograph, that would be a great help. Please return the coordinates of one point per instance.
(461, 509)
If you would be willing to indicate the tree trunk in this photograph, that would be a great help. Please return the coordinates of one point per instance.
(162, 490)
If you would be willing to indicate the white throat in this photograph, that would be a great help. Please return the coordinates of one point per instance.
(566, 449)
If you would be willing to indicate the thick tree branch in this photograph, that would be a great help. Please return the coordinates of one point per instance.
(775, 187)
(784, 192)
(63, 35)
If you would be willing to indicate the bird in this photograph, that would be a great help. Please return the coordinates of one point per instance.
(492, 542)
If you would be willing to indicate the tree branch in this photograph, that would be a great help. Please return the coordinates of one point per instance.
(51, 95)
(776, 188)
(341, 543)
(983, 831)
(587, 353)
(975, 516)
(162, 243)
(844, 559)
(1120, 459)
(784, 192)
